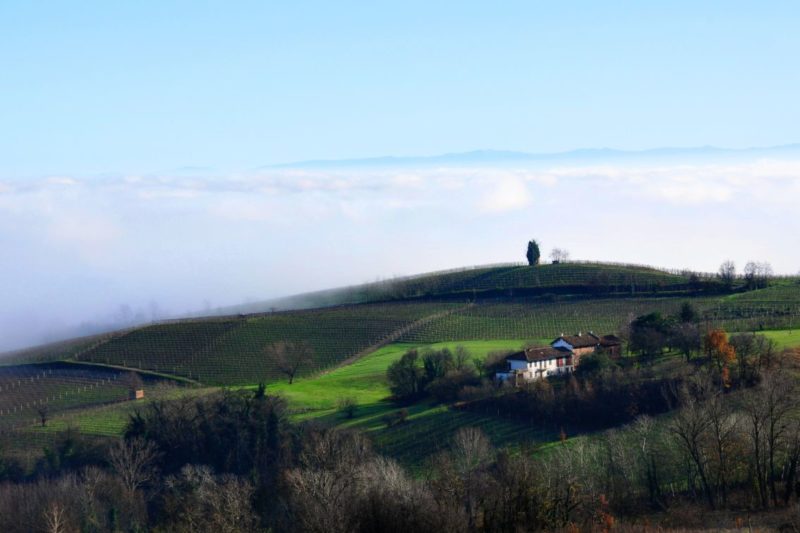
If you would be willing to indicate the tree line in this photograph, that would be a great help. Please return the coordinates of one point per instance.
(232, 462)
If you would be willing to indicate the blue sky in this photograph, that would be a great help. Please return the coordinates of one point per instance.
(152, 86)
(134, 138)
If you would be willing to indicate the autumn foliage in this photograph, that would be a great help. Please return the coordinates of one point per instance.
(719, 350)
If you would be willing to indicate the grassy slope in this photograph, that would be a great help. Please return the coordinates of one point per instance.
(228, 350)
(365, 380)
(429, 427)
(784, 338)
(96, 422)
(110, 420)
(614, 278)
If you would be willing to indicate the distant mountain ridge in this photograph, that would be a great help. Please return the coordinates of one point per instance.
(583, 155)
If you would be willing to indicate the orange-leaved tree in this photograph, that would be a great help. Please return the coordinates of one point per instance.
(720, 351)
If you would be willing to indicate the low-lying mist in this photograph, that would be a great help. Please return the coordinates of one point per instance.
(89, 254)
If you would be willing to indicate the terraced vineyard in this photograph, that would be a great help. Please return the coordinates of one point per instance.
(573, 277)
(609, 278)
(230, 350)
(27, 389)
(431, 431)
(227, 351)
(533, 318)
(526, 319)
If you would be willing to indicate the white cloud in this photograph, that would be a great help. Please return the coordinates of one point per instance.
(691, 192)
(505, 194)
(92, 234)
(225, 237)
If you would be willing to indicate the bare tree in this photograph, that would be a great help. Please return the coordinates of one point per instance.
(690, 427)
(133, 461)
(792, 459)
(205, 502)
(559, 255)
(723, 425)
(289, 357)
(471, 448)
(324, 485)
(757, 275)
(769, 413)
(686, 338)
(727, 273)
(44, 414)
(56, 519)
(133, 381)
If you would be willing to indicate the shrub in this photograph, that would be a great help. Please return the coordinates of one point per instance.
(593, 364)
(405, 377)
(395, 418)
(486, 389)
(347, 406)
(448, 387)
(495, 362)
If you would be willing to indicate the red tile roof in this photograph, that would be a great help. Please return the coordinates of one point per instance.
(582, 340)
(610, 340)
(539, 354)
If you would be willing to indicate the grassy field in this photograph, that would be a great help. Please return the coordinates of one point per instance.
(365, 380)
(784, 338)
(429, 427)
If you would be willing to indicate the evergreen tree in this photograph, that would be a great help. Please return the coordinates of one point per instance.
(533, 253)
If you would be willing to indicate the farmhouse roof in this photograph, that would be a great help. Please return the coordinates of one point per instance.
(610, 340)
(581, 340)
(539, 353)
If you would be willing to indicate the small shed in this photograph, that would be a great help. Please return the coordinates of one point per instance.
(136, 394)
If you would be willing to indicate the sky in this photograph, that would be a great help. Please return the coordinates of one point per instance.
(137, 138)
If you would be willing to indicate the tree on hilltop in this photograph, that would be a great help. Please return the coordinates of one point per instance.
(757, 275)
(533, 254)
(559, 255)
(727, 273)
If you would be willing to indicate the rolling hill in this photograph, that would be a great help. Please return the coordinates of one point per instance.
(356, 332)
(481, 303)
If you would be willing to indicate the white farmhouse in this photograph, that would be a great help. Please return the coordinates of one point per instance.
(561, 357)
(537, 363)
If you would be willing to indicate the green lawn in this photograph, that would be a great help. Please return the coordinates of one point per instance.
(784, 338)
(365, 380)
(429, 427)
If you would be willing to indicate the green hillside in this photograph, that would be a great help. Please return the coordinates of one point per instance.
(505, 280)
(484, 309)
(230, 350)
(488, 303)
(429, 427)
(29, 391)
